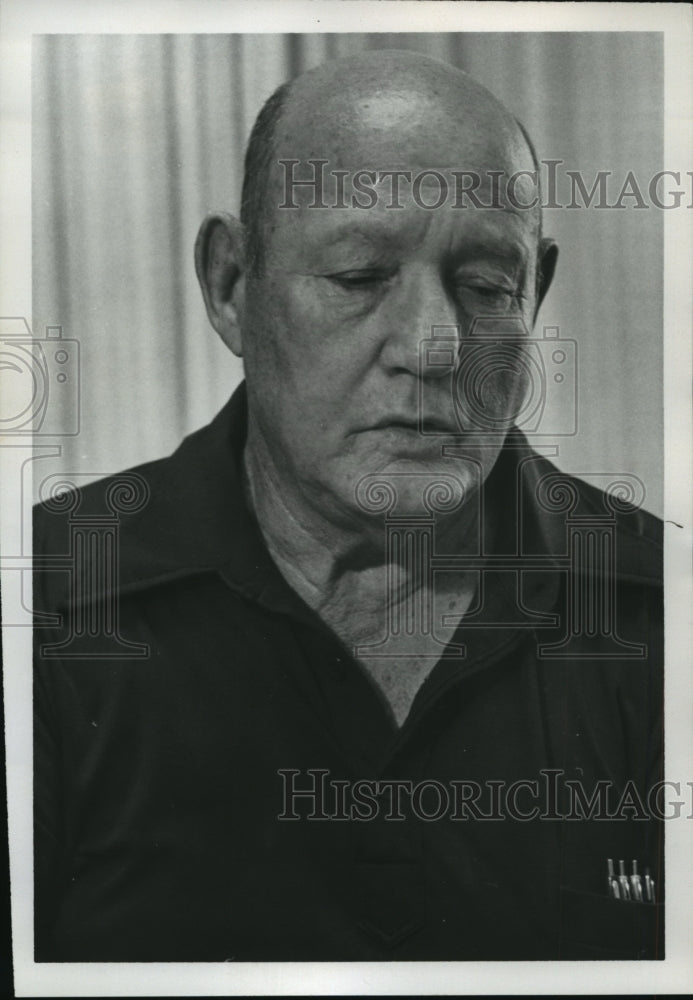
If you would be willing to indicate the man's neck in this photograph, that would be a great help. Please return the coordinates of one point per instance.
(342, 572)
(334, 564)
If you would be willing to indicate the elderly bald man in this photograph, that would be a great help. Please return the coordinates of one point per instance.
(354, 709)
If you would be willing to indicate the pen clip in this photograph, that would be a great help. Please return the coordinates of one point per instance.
(623, 883)
(636, 884)
(649, 888)
(611, 880)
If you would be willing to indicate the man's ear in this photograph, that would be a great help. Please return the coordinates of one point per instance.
(220, 265)
(546, 265)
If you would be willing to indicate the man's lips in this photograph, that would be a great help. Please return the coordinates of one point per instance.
(428, 424)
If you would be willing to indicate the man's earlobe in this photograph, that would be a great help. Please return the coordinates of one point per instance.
(219, 263)
(546, 265)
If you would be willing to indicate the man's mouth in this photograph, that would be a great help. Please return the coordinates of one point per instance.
(428, 425)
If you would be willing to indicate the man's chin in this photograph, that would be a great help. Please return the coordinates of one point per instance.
(409, 486)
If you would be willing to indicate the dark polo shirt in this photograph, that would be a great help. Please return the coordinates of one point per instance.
(185, 696)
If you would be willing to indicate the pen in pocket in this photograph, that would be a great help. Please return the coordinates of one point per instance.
(635, 887)
(611, 881)
(623, 883)
(635, 883)
(649, 887)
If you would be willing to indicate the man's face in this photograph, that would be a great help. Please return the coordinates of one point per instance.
(333, 329)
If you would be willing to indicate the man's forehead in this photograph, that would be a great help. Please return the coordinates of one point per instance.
(385, 207)
(412, 139)
(400, 128)
(395, 131)
(319, 181)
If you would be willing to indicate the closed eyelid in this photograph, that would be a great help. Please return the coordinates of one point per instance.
(489, 272)
(355, 274)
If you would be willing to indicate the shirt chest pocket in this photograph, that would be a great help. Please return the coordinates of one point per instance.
(598, 927)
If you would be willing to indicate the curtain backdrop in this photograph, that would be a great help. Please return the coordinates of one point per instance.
(136, 137)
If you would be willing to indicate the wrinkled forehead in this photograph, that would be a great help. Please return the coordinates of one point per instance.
(396, 148)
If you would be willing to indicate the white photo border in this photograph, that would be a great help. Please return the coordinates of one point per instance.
(674, 974)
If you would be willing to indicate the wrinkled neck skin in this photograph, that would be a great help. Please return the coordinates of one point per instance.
(338, 566)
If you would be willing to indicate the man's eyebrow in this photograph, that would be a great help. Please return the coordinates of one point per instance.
(482, 251)
(373, 232)
(491, 246)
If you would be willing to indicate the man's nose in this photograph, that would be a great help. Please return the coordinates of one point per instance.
(420, 306)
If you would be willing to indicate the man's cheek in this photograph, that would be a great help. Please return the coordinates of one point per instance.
(320, 309)
(490, 384)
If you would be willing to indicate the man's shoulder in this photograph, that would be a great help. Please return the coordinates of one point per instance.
(124, 515)
(127, 491)
(159, 519)
(132, 497)
(609, 507)
(620, 496)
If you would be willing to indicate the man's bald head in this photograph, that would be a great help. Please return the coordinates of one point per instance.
(355, 103)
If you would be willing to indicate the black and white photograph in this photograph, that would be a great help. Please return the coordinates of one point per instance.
(346, 456)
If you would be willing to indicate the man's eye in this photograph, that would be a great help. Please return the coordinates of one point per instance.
(490, 294)
(487, 290)
(358, 279)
